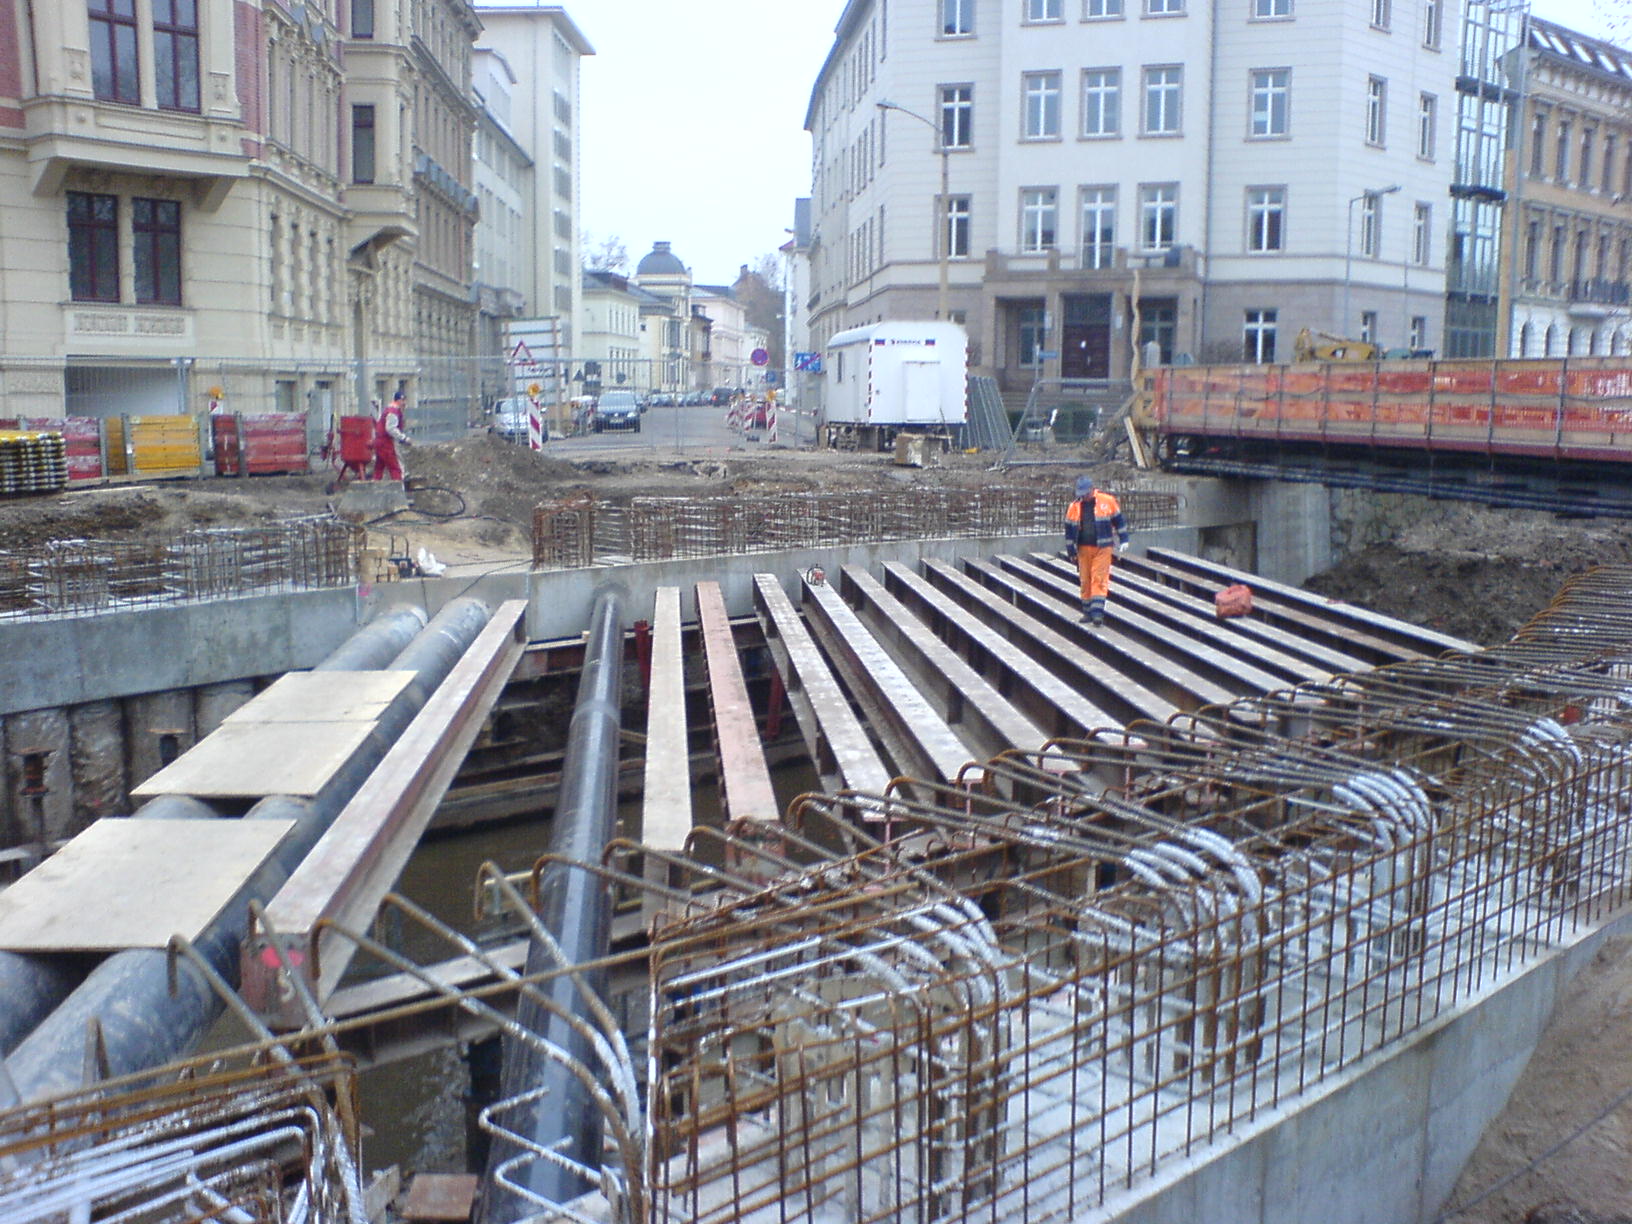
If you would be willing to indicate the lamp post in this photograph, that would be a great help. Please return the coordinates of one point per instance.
(943, 213)
(1371, 193)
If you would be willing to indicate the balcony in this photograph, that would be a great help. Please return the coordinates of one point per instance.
(1174, 261)
(1601, 292)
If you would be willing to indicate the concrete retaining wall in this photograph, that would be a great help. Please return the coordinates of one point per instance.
(1385, 1141)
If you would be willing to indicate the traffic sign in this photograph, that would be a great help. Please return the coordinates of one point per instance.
(759, 357)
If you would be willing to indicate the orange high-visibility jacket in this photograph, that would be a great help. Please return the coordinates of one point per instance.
(1109, 525)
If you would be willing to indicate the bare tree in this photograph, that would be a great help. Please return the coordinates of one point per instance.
(759, 289)
(606, 254)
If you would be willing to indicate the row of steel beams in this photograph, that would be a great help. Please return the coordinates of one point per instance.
(918, 739)
(843, 755)
(1389, 639)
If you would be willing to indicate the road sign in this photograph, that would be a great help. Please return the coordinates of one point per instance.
(759, 357)
(808, 363)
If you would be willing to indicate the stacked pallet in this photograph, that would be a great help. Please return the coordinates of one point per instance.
(32, 461)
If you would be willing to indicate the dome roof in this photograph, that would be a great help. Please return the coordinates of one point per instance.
(660, 262)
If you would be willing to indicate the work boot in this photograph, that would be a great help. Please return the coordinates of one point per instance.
(1087, 617)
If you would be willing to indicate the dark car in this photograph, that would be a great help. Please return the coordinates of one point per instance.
(662, 399)
(721, 395)
(617, 410)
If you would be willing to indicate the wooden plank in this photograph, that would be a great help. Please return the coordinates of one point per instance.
(244, 760)
(666, 815)
(918, 738)
(745, 779)
(134, 884)
(329, 696)
(837, 741)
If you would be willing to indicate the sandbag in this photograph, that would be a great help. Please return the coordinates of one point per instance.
(1233, 601)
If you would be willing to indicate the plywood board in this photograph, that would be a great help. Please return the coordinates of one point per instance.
(332, 696)
(254, 759)
(134, 883)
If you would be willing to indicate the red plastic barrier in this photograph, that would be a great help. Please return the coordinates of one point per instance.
(260, 444)
(81, 436)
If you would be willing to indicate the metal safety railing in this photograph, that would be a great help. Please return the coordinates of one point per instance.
(579, 531)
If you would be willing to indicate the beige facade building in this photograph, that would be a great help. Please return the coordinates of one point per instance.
(249, 197)
(1569, 242)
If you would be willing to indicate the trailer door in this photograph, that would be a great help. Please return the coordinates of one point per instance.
(921, 386)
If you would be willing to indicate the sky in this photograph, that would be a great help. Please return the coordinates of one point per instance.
(693, 119)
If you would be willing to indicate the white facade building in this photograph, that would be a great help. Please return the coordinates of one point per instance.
(544, 49)
(1235, 171)
(503, 179)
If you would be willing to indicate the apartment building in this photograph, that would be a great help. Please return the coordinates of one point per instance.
(249, 197)
(1208, 177)
(544, 48)
(1568, 244)
(504, 183)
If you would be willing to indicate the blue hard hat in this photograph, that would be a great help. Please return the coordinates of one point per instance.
(1085, 485)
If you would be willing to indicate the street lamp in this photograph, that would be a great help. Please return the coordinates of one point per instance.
(1348, 247)
(943, 216)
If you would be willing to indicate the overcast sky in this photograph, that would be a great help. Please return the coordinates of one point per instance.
(693, 119)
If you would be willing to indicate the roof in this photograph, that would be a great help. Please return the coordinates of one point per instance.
(564, 24)
(849, 21)
(1581, 50)
(660, 261)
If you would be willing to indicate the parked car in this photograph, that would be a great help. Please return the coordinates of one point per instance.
(692, 399)
(662, 399)
(508, 418)
(617, 410)
(722, 395)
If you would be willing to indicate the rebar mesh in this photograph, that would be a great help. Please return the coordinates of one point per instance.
(79, 577)
(577, 531)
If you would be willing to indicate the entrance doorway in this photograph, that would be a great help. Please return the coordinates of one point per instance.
(1085, 338)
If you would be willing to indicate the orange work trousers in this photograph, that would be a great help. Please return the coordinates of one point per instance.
(1094, 569)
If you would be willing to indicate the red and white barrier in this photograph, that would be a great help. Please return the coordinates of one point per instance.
(535, 424)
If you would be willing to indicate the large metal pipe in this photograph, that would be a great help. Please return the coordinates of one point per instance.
(145, 1018)
(577, 911)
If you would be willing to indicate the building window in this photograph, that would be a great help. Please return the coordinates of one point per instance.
(1271, 101)
(1101, 8)
(93, 247)
(1379, 13)
(1532, 249)
(1555, 260)
(1266, 218)
(1163, 8)
(957, 226)
(1101, 101)
(1368, 326)
(1158, 215)
(362, 18)
(113, 50)
(1376, 109)
(1584, 172)
(1042, 105)
(1538, 142)
(1033, 334)
(1162, 100)
(1039, 219)
(1098, 227)
(1259, 346)
(1608, 177)
(1271, 8)
(957, 116)
(1417, 341)
(1430, 24)
(156, 228)
(1561, 153)
(362, 144)
(1427, 121)
(1159, 325)
(175, 53)
(957, 17)
(1045, 10)
(1422, 234)
(1370, 225)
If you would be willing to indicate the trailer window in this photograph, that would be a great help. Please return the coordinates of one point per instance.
(841, 366)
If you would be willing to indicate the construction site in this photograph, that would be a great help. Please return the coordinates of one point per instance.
(817, 864)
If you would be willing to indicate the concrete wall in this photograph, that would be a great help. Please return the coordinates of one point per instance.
(1384, 1142)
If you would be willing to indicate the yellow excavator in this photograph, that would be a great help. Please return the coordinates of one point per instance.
(1323, 346)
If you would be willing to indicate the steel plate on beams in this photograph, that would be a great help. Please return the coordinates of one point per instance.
(250, 760)
(333, 696)
(134, 884)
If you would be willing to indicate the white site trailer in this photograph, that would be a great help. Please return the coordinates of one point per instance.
(889, 378)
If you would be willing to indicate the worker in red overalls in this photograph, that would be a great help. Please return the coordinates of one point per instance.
(1094, 529)
(389, 429)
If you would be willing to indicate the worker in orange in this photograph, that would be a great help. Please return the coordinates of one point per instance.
(389, 430)
(1094, 529)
